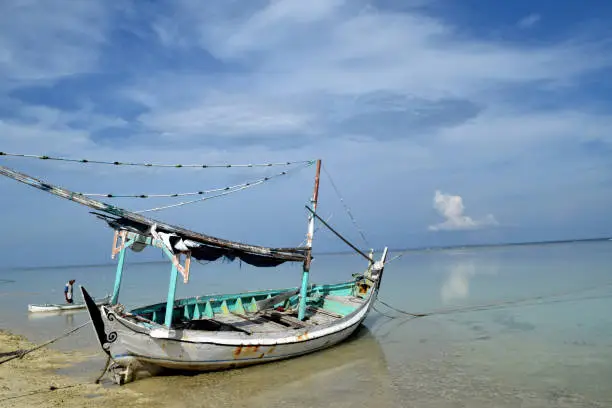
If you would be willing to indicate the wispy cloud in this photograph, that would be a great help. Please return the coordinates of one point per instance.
(529, 20)
(320, 61)
(451, 208)
(42, 40)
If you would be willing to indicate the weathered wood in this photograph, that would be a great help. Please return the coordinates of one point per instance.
(314, 201)
(309, 236)
(115, 239)
(325, 312)
(281, 318)
(269, 302)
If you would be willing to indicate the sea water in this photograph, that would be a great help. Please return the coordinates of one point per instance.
(552, 351)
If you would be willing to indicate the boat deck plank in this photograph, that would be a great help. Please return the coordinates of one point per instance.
(254, 324)
(261, 323)
(347, 300)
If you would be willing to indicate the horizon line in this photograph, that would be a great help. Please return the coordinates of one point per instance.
(415, 249)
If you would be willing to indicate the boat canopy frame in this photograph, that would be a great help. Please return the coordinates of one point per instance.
(137, 243)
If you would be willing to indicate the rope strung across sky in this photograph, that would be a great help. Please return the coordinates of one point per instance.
(195, 193)
(118, 163)
(222, 191)
(229, 191)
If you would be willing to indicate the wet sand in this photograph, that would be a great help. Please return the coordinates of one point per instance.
(28, 381)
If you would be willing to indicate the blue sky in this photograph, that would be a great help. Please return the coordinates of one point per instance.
(441, 122)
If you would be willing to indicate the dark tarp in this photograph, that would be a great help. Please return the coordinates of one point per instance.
(204, 251)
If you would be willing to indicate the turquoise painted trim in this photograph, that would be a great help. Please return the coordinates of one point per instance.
(303, 295)
(119, 273)
(208, 310)
(171, 294)
(337, 307)
(207, 306)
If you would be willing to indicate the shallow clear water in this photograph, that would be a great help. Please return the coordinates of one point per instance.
(557, 352)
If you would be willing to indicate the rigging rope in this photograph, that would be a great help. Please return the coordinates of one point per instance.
(347, 209)
(195, 193)
(526, 301)
(317, 228)
(118, 163)
(227, 191)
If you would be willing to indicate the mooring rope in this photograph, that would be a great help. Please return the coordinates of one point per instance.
(144, 164)
(194, 193)
(21, 353)
(234, 190)
(346, 208)
(526, 301)
(382, 313)
(50, 389)
(108, 360)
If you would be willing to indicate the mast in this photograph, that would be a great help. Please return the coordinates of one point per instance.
(309, 236)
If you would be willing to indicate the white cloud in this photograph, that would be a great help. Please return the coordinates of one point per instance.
(451, 208)
(226, 118)
(529, 21)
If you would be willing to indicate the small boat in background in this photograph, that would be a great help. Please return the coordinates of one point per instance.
(60, 307)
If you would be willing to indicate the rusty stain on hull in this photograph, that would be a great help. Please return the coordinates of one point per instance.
(246, 351)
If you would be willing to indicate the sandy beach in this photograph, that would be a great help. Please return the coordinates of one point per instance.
(34, 381)
(356, 367)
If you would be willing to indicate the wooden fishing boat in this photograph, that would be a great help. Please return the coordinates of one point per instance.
(217, 332)
(61, 307)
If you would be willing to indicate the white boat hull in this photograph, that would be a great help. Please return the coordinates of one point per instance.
(194, 351)
(137, 349)
(64, 306)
